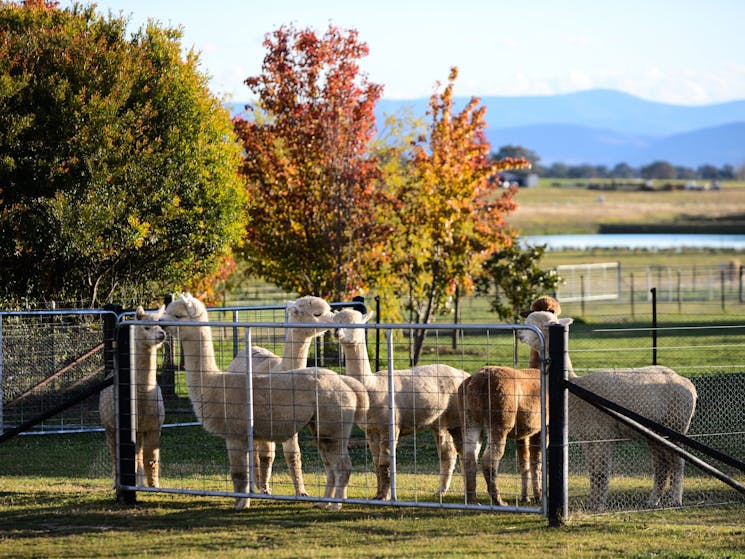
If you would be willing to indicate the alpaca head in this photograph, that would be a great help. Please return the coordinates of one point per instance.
(541, 320)
(350, 335)
(147, 335)
(310, 310)
(184, 308)
(544, 303)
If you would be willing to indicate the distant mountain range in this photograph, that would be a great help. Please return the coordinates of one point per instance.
(604, 127)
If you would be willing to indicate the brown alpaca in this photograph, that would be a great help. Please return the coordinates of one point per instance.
(149, 408)
(544, 303)
(504, 402)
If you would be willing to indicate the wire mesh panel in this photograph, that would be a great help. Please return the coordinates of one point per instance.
(343, 455)
(47, 361)
(701, 395)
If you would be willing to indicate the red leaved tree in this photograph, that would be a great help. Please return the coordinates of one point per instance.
(306, 162)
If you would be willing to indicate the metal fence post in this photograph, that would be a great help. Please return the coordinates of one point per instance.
(653, 291)
(125, 433)
(558, 432)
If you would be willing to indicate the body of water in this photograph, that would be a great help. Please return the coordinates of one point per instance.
(651, 241)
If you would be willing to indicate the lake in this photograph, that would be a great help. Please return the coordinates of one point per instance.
(637, 241)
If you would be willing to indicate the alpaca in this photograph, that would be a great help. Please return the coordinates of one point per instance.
(656, 392)
(283, 402)
(149, 402)
(307, 309)
(504, 402)
(544, 303)
(424, 398)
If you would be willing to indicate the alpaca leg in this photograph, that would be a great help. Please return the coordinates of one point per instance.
(659, 475)
(490, 464)
(111, 444)
(330, 475)
(291, 448)
(536, 466)
(338, 467)
(471, 446)
(374, 444)
(238, 458)
(264, 453)
(676, 466)
(139, 462)
(598, 458)
(448, 456)
(151, 457)
(523, 462)
(384, 467)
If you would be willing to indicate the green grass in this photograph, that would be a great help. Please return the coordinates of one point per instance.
(56, 499)
(76, 517)
(547, 209)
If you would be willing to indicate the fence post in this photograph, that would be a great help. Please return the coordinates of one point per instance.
(653, 291)
(739, 285)
(377, 333)
(124, 418)
(558, 433)
(2, 396)
(721, 283)
(633, 314)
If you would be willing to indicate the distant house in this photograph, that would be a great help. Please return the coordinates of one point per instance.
(524, 180)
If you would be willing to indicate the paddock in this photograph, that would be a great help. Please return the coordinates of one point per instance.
(50, 358)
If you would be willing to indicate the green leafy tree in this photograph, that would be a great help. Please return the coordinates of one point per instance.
(658, 170)
(118, 169)
(513, 276)
(307, 164)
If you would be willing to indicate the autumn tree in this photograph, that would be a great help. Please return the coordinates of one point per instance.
(447, 216)
(118, 168)
(307, 167)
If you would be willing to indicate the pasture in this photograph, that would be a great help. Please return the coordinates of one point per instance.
(56, 498)
(57, 501)
(572, 208)
(50, 509)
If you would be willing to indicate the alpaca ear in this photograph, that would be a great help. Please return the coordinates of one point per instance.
(157, 314)
(367, 317)
(139, 313)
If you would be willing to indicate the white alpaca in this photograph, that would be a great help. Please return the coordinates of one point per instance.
(313, 310)
(424, 398)
(283, 403)
(148, 402)
(655, 392)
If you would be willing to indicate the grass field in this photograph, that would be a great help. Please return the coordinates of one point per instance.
(56, 499)
(60, 504)
(546, 209)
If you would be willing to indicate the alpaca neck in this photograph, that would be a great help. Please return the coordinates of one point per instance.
(146, 368)
(535, 363)
(295, 353)
(199, 353)
(358, 362)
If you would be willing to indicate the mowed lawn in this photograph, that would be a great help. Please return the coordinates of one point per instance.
(77, 517)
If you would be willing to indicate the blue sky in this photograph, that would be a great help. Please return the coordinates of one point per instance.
(677, 51)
